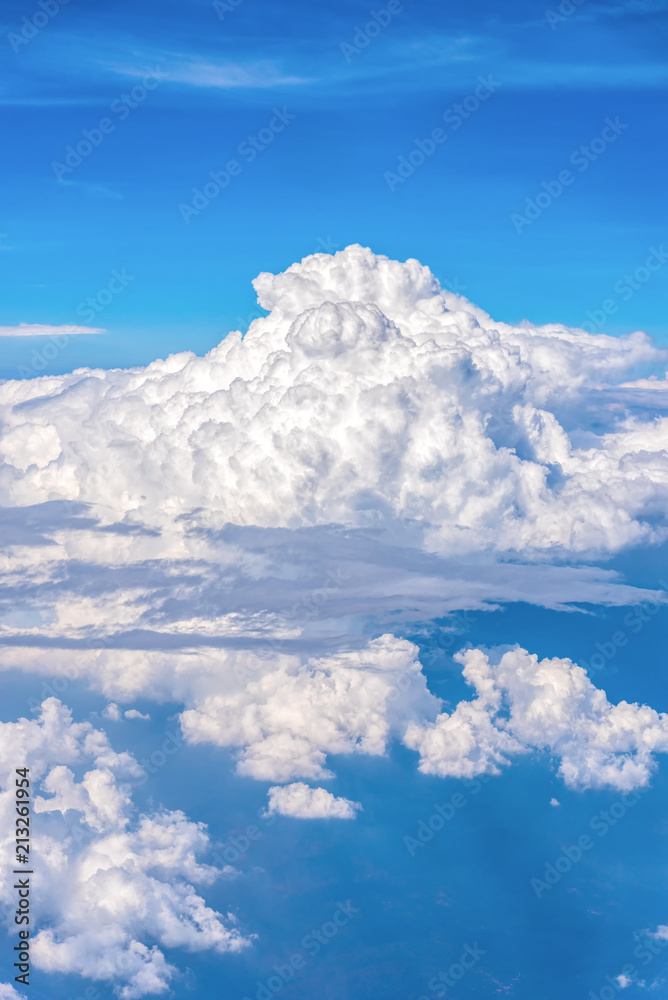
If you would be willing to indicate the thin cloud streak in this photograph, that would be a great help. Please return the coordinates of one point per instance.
(226, 75)
(45, 330)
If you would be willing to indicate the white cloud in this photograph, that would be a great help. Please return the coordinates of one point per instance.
(8, 992)
(652, 383)
(255, 514)
(555, 802)
(44, 330)
(368, 397)
(522, 704)
(114, 887)
(199, 72)
(231, 76)
(133, 713)
(112, 711)
(284, 714)
(287, 715)
(303, 802)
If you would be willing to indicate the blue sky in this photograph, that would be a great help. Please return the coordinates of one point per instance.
(321, 183)
(158, 530)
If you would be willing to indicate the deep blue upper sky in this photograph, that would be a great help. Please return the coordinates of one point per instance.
(320, 183)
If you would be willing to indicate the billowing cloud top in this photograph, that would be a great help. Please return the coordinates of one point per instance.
(368, 395)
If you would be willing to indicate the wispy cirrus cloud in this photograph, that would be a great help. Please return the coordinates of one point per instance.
(92, 190)
(225, 75)
(46, 330)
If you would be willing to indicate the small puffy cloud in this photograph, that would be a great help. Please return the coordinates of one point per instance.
(116, 887)
(133, 713)
(44, 330)
(525, 704)
(303, 802)
(112, 711)
(555, 802)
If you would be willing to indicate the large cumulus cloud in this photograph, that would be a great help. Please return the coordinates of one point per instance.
(367, 396)
(228, 531)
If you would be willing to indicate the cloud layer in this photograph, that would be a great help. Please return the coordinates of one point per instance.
(284, 714)
(225, 531)
(243, 534)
